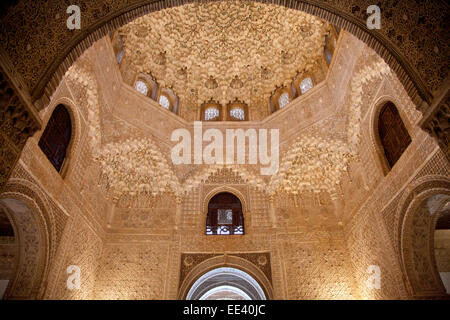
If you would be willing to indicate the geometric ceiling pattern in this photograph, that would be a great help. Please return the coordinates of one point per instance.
(224, 50)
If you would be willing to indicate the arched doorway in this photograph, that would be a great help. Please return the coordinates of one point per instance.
(225, 283)
(9, 254)
(226, 277)
(425, 210)
(442, 240)
(29, 264)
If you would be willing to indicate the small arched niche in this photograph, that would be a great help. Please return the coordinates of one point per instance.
(225, 216)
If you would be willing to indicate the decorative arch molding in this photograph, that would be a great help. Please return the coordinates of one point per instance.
(415, 236)
(33, 239)
(110, 19)
(225, 261)
(373, 135)
(73, 148)
(19, 186)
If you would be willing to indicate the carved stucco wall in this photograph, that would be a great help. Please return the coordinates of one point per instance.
(147, 264)
(372, 216)
(32, 254)
(320, 246)
(72, 205)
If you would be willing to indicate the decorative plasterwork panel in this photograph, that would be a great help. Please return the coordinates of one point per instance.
(223, 50)
(190, 260)
(223, 174)
(137, 166)
(87, 81)
(311, 163)
(316, 164)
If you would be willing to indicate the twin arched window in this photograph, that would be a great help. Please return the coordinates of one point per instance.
(147, 85)
(55, 140)
(225, 215)
(284, 95)
(236, 111)
(392, 132)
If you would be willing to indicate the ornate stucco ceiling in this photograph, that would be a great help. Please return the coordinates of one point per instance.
(313, 162)
(224, 50)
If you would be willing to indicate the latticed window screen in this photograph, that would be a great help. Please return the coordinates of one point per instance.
(283, 100)
(164, 101)
(306, 84)
(238, 113)
(225, 215)
(56, 137)
(211, 113)
(393, 134)
(141, 87)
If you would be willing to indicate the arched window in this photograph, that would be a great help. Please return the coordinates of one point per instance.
(330, 44)
(237, 111)
(167, 99)
(56, 137)
(283, 100)
(211, 111)
(306, 84)
(225, 215)
(118, 47)
(392, 132)
(119, 56)
(141, 87)
(147, 85)
(281, 97)
(164, 101)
